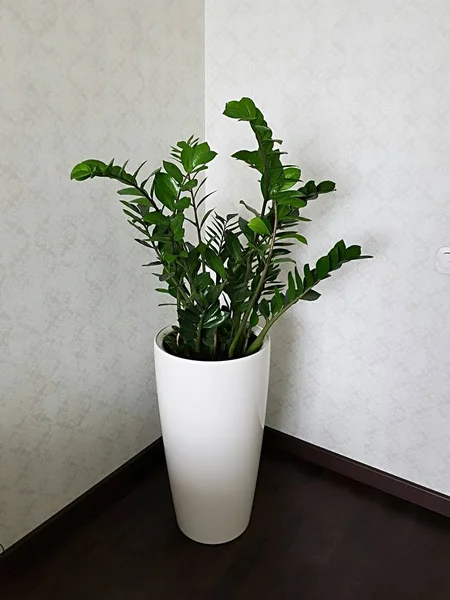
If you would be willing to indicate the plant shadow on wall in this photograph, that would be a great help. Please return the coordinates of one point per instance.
(230, 280)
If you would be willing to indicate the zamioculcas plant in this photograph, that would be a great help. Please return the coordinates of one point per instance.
(230, 279)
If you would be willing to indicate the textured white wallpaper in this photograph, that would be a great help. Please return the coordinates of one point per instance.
(360, 92)
(77, 313)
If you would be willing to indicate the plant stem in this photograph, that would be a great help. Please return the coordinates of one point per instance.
(259, 287)
(198, 341)
(197, 222)
(257, 343)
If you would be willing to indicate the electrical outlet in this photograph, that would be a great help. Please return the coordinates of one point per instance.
(443, 260)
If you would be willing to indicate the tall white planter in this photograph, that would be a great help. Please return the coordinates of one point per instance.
(212, 419)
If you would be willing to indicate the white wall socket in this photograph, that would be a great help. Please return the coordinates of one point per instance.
(443, 260)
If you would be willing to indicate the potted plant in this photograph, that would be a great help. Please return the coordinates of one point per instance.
(228, 287)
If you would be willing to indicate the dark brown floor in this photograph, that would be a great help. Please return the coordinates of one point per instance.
(313, 536)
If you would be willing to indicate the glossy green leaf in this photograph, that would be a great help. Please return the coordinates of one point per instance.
(322, 267)
(291, 293)
(165, 189)
(173, 171)
(205, 216)
(311, 295)
(156, 218)
(183, 203)
(86, 169)
(259, 226)
(298, 281)
(264, 309)
(215, 263)
(352, 252)
(254, 319)
(129, 191)
(291, 178)
(341, 249)
(326, 186)
(203, 281)
(189, 185)
(292, 235)
(334, 258)
(250, 157)
(233, 245)
(309, 279)
(202, 154)
(277, 302)
(243, 109)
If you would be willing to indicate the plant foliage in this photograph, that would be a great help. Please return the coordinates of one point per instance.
(230, 280)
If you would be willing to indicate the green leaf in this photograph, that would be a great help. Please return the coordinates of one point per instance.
(277, 302)
(254, 319)
(291, 293)
(233, 245)
(243, 109)
(155, 263)
(251, 158)
(143, 242)
(135, 174)
(298, 281)
(322, 267)
(341, 249)
(156, 218)
(129, 191)
(215, 263)
(264, 309)
(205, 216)
(87, 169)
(311, 295)
(176, 224)
(243, 226)
(183, 203)
(326, 186)
(213, 317)
(309, 279)
(334, 258)
(283, 260)
(352, 252)
(189, 185)
(141, 201)
(202, 154)
(166, 276)
(292, 202)
(291, 177)
(203, 281)
(173, 171)
(133, 215)
(287, 195)
(311, 187)
(187, 154)
(165, 189)
(292, 235)
(283, 212)
(196, 155)
(259, 226)
(131, 207)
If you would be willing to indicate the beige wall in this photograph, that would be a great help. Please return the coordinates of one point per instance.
(77, 312)
(360, 92)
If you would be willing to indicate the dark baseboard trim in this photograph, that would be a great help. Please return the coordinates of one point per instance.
(390, 484)
(121, 481)
(84, 508)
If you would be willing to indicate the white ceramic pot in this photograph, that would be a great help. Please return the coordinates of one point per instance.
(212, 419)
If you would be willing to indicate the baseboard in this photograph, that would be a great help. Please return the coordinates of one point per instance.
(84, 508)
(119, 483)
(390, 484)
